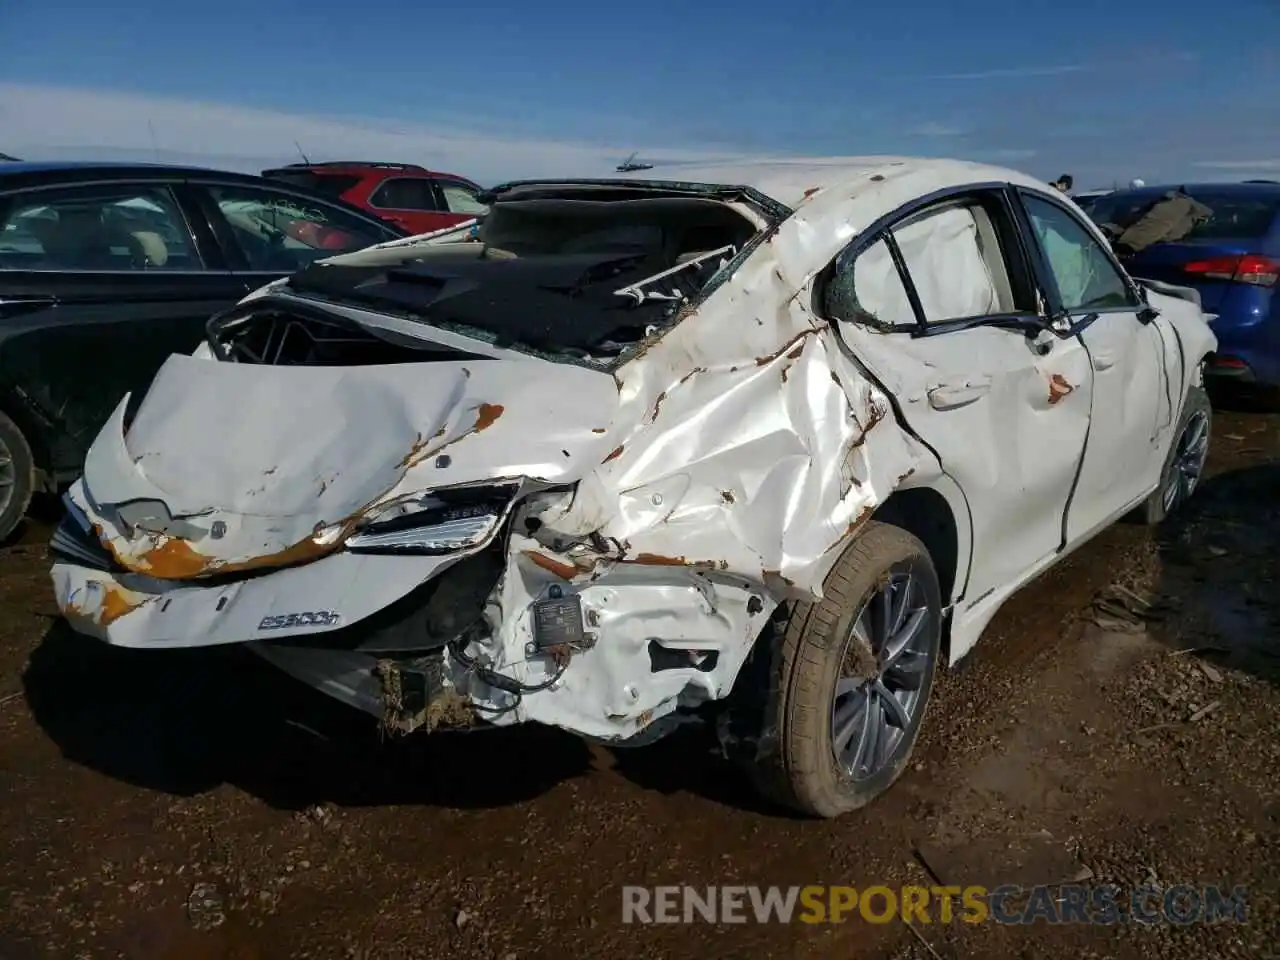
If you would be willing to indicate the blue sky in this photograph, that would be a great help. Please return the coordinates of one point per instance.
(497, 88)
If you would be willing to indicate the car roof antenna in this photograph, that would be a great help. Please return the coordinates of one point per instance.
(301, 154)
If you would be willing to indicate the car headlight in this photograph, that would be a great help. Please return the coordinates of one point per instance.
(442, 521)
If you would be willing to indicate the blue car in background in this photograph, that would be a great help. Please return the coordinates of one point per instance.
(1232, 259)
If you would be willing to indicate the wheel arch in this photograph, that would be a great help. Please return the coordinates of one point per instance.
(937, 514)
(13, 406)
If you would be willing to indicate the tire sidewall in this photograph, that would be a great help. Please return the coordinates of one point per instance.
(23, 476)
(831, 791)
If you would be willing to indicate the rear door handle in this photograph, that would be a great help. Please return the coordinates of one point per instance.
(1104, 360)
(949, 396)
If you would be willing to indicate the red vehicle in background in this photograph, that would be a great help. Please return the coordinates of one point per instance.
(415, 198)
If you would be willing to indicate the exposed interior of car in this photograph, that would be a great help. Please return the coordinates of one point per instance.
(582, 275)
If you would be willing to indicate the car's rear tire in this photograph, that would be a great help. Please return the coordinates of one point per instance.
(1184, 465)
(17, 476)
(848, 703)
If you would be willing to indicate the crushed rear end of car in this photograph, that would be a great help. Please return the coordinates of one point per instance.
(564, 474)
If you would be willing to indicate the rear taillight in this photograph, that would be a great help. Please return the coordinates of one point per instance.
(1248, 268)
(1235, 363)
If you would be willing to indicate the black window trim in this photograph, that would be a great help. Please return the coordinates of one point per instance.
(236, 260)
(1045, 278)
(270, 177)
(431, 189)
(171, 185)
(881, 229)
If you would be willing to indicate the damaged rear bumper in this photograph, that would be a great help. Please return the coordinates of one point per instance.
(133, 610)
(386, 665)
(631, 642)
(368, 630)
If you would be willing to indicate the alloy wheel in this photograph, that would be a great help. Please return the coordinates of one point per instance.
(1188, 460)
(880, 688)
(8, 476)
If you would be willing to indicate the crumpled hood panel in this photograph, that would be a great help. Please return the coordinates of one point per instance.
(273, 453)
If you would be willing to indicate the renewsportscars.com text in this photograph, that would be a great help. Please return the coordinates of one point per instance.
(1067, 903)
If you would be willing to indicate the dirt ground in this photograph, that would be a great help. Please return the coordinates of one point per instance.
(195, 805)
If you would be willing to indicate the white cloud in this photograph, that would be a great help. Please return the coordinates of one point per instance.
(39, 122)
(936, 129)
(1014, 72)
(1002, 155)
(48, 122)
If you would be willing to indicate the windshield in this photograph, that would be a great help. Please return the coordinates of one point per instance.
(573, 279)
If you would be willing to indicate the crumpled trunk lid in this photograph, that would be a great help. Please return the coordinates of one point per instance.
(244, 465)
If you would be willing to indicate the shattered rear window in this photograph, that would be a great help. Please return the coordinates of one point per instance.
(572, 279)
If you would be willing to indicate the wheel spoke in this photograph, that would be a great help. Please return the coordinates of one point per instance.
(895, 713)
(868, 756)
(902, 593)
(846, 720)
(862, 628)
(904, 637)
(884, 607)
(1196, 435)
(908, 672)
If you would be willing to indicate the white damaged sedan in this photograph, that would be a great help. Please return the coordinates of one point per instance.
(763, 446)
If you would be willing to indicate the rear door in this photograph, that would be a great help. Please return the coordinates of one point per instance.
(941, 304)
(414, 203)
(1132, 398)
(100, 283)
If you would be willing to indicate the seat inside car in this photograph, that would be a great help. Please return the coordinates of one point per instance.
(80, 241)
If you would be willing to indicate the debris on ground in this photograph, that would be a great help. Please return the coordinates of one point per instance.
(204, 907)
(1022, 860)
(1123, 610)
(1204, 711)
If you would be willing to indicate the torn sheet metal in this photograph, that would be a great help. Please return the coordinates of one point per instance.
(276, 465)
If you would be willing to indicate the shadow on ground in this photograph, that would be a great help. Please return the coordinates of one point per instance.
(186, 721)
(1221, 562)
(43, 513)
(1243, 397)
